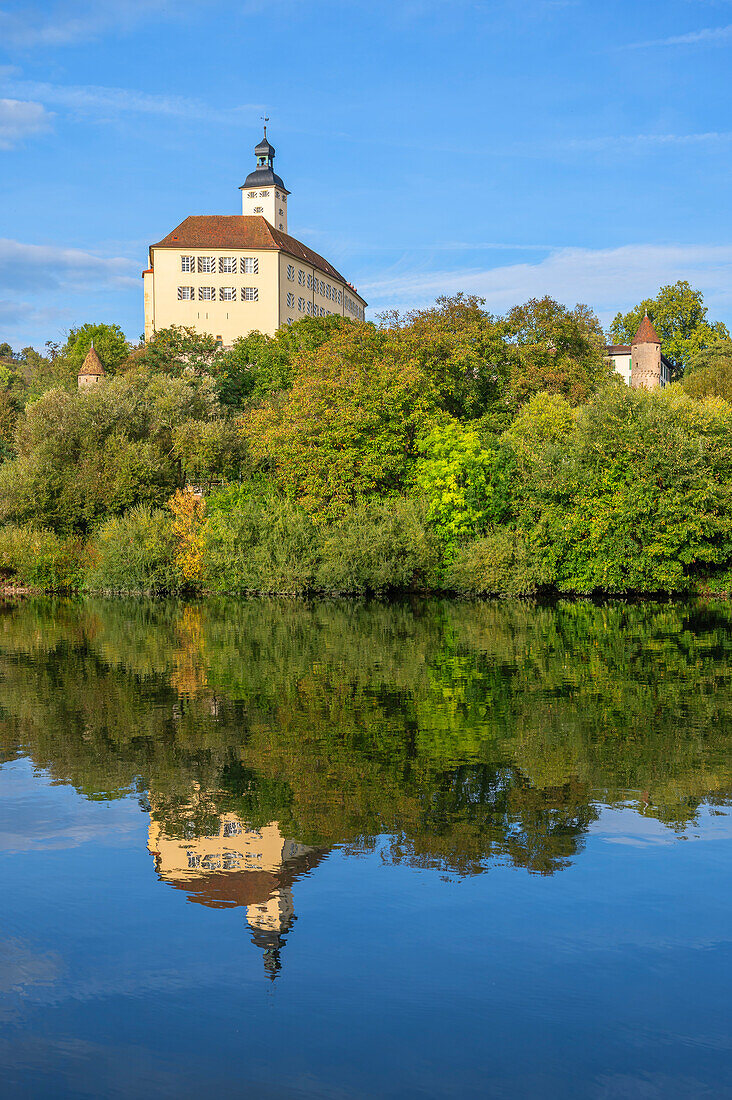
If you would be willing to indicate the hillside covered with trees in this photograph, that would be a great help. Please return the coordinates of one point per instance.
(448, 449)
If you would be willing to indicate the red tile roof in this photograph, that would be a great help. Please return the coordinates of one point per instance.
(243, 231)
(92, 364)
(646, 333)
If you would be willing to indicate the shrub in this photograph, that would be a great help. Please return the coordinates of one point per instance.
(135, 552)
(501, 564)
(188, 510)
(376, 546)
(256, 541)
(464, 482)
(37, 557)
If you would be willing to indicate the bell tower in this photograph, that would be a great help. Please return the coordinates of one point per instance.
(263, 193)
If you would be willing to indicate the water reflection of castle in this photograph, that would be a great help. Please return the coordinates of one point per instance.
(235, 865)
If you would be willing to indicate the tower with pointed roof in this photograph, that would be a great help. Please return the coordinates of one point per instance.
(91, 370)
(263, 191)
(641, 363)
(231, 274)
(645, 352)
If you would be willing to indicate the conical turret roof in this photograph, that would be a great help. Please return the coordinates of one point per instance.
(92, 364)
(646, 333)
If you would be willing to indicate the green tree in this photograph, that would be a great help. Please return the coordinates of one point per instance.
(109, 343)
(555, 350)
(464, 482)
(179, 351)
(348, 427)
(680, 319)
(488, 367)
(258, 365)
(459, 346)
(634, 494)
(709, 373)
(209, 450)
(85, 455)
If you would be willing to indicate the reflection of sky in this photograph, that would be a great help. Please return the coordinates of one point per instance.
(608, 979)
(59, 819)
(624, 825)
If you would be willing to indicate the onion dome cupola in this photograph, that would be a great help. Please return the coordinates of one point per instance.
(264, 152)
(263, 193)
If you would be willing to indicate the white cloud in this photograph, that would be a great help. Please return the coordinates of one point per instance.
(95, 99)
(34, 266)
(68, 21)
(19, 119)
(605, 279)
(706, 35)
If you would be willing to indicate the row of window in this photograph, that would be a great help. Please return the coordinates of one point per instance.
(305, 306)
(353, 307)
(313, 283)
(226, 293)
(227, 265)
(265, 195)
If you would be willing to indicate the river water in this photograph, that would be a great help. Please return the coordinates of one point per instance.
(425, 849)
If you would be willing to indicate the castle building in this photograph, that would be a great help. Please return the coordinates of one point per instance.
(231, 274)
(235, 865)
(642, 364)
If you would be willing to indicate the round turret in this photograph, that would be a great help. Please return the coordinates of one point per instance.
(645, 354)
(91, 370)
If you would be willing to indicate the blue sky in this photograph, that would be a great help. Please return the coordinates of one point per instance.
(507, 147)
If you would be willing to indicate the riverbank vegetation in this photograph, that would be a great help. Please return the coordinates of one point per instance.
(448, 449)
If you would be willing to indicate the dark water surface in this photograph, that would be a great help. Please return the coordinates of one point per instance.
(360, 850)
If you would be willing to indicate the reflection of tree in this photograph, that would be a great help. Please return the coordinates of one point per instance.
(465, 731)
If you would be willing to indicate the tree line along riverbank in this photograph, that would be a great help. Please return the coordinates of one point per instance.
(446, 450)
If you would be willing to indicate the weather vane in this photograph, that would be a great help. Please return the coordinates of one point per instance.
(265, 119)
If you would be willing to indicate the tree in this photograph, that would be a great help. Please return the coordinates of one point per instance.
(85, 455)
(488, 367)
(464, 482)
(348, 427)
(459, 346)
(633, 493)
(109, 343)
(258, 365)
(680, 319)
(709, 373)
(209, 450)
(179, 351)
(555, 350)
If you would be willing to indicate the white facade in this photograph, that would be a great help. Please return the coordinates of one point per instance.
(270, 202)
(229, 275)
